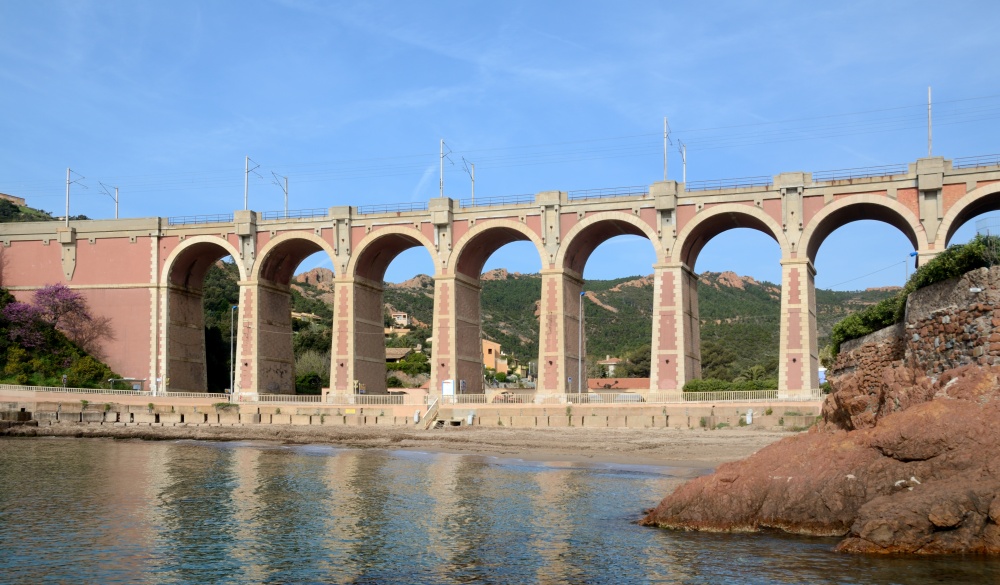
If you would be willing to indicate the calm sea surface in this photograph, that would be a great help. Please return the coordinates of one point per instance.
(99, 511)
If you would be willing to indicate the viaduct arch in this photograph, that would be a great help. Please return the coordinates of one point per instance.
(457, 307)
(358, 353)
(183, 314)
(151, 290)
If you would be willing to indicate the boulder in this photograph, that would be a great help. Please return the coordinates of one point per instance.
(904, 465)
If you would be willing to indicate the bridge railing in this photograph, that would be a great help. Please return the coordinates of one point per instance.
(583, 194)
(738, 183)
(498, 201)
(196, 219)
(296, 214)
(860, 173)
(968, 162)
(391, 208)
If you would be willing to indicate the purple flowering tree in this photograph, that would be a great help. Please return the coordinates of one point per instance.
(59, 305)
(25, 324)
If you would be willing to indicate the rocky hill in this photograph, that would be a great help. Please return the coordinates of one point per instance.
(736, 312)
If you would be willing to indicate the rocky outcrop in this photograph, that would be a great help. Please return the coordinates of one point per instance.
(906, 458)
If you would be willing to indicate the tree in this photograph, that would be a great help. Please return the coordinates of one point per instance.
(24, 321)
(9, 211)
(67, 311)
(751, 374)
(57, 303)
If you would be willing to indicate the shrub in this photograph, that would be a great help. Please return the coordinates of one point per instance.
(87, 371)
(308, 383)
(952, 263)
(715, 385)
(393, 382)
(703, 422)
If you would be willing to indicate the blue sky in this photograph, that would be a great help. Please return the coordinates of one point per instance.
(349, 100)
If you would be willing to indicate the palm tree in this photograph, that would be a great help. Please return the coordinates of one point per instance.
(751, 374)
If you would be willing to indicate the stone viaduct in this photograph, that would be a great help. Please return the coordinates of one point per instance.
(147, 274)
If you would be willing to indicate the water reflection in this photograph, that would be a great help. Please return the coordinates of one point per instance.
(189, 512)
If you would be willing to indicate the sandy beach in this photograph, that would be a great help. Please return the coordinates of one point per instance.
(664, 447)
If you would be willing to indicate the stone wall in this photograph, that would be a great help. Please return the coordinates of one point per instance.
(947, 325)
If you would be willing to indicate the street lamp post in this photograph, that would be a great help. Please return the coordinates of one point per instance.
(579, 351)
(232, 349)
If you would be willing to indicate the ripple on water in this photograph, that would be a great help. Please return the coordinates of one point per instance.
(195, 512)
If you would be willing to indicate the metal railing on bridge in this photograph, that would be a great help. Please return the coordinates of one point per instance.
(497, 201)
(969, 162)
(860, 173)
(391, 208)
(738, 183)
(296, 214)
(608, 192)
(196, 219)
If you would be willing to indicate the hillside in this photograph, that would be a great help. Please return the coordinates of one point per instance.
(739, 316)
(11, 212)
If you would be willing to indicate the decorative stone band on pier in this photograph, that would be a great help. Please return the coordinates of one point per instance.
(151, 289)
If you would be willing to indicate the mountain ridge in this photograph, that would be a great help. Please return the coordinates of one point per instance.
(739, 315)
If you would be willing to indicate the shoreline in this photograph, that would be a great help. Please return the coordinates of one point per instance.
(700, 449)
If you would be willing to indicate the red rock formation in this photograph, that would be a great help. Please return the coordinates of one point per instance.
(922, 480)
(906, 458)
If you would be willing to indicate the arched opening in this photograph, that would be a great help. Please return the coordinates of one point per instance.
(496, 315)
(391, 252)
(608, 322)
(201, 289)
(974, 213)
(312, 297)
(408, 315)
(861, 257)
(733, 310)
(277, 331)
(511, 289)
(739, 306)
(617, 314)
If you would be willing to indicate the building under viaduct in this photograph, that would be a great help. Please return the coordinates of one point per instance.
(147, 274)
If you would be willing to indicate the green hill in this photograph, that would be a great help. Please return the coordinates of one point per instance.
(739, 316)
(10, 212)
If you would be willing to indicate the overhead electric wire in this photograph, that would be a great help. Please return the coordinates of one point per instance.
(823, 127)
(833, 286)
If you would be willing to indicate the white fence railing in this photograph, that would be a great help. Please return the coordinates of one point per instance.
(491, 398)
(216, 395)
(59, 389)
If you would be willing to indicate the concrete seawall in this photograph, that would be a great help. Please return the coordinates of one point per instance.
(175, 413)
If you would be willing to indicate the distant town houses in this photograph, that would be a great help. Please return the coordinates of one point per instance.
(608, 365)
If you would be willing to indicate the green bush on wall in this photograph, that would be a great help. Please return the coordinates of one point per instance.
(952, 263)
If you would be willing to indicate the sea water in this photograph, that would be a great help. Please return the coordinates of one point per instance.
(103, 511)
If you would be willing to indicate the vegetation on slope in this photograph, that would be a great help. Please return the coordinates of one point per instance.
(952, 263)
(35, 340)
(740, 320)
(9, 212)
